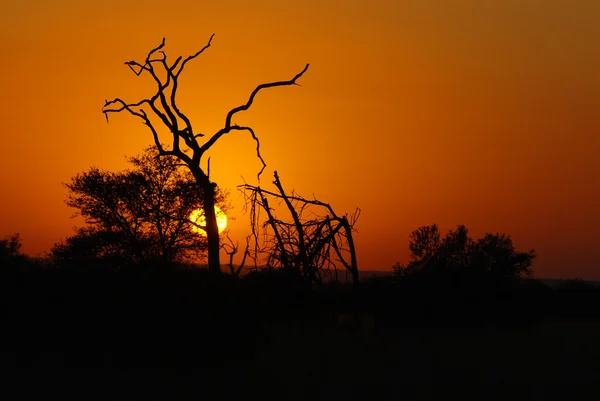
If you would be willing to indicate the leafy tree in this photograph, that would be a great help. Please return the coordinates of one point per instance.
(495, 254)
(424, 243)
(92, 245)
(455, 250)
(492, 257)
(188, 145)
(136, 215)
(11, 256)
(10, 248)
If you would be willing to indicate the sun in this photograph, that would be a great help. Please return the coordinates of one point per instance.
(197, 217)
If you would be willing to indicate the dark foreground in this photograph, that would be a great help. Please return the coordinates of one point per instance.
(180, 336)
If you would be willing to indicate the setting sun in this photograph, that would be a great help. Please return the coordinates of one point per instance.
(197, 217)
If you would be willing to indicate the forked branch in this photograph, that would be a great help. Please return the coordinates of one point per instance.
(228, 125)
(163, 105)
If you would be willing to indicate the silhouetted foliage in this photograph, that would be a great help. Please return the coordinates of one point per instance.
(10, 252)
(135, 216)
(92, 246)
(424, 243)
(9, 247)
(496, 255)
(457, 257)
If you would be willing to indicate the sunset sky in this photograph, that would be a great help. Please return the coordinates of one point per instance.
(477, 112)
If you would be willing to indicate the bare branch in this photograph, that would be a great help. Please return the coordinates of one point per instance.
(313, 246)
(157, 48)
(264, 165)
(141, 67)
(189, 136)
(246, 106)
(227, 128)
(231, 250)
(193, 56)
(304, 265)
(120, 106)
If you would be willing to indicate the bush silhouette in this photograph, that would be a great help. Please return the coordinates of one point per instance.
(491, 260)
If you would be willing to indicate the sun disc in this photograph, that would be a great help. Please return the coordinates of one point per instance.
(197, 216)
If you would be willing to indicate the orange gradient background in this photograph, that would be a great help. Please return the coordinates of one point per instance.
(477, 112)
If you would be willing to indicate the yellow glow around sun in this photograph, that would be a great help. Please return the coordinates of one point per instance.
(197, 217)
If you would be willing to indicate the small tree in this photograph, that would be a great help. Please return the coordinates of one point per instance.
(424, 243)
(495, 254)
(10, 250)
(135, 216)
(185, 139)
(10, 247)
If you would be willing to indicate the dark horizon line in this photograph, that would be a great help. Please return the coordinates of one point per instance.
(551, 281)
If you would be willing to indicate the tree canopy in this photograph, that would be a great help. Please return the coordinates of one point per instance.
(137, 215)
(491, 257)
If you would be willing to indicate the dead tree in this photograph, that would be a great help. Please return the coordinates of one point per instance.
(313, 243)
(231, 250)
(188, 144)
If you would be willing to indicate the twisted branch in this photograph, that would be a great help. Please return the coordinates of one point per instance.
(170, 114)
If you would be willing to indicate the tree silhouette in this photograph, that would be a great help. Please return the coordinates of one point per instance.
(495, 254)
(10, 250)
(424, 243)
(135, 216)
(184, 138)
(491, 257)
(10, 246)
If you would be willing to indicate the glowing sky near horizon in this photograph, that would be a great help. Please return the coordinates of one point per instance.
(477, 112)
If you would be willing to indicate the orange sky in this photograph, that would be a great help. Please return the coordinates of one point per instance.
(477, 112)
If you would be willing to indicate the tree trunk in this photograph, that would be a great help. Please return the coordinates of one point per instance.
(212, 229)
(352, 249)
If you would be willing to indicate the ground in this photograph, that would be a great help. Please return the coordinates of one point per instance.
(556, 359)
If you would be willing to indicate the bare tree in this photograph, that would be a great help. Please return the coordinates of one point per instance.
(315, 242)
(231, 250)
(163, 105)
